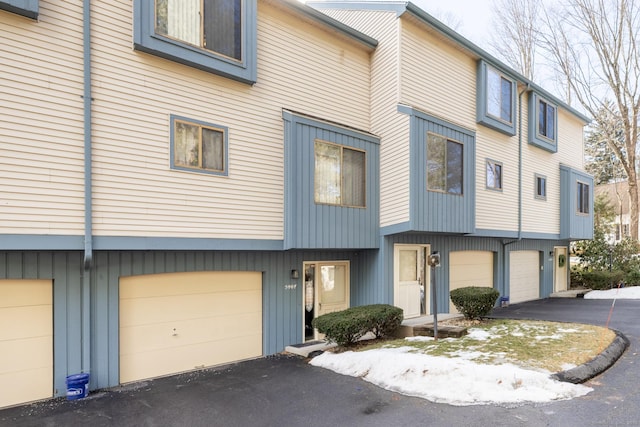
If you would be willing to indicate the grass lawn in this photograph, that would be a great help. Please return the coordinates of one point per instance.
(530, 344)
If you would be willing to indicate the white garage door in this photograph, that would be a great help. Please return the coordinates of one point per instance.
(177, 322)
(524, 276)
(26, 341)
(469, 268)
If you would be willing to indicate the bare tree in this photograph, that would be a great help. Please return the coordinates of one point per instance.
(594, 46)
(515, 33)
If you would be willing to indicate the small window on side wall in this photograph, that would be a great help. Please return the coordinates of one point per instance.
(583, 198)
(541, 187)
(198, 146)
(494, 175)
(339, 175)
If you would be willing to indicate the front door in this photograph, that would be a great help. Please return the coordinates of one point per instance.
(410, 280)
(560, 263)
(326, 291)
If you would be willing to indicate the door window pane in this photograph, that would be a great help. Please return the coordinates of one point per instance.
(408, 265)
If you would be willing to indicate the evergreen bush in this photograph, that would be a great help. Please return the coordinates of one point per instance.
(474, 302)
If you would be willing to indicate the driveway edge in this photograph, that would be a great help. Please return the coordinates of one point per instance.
(598, 364)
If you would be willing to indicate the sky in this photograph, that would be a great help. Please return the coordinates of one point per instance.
(459, 381)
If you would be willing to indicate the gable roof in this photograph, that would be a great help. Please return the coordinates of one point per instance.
(406, 8)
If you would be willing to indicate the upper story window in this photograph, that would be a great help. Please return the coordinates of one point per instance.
(541, 187)
(494, 175)
(339, 175)
(218, 36)
(583, 198)
(543, 123)
(214, 25)
(198, 146)
(496, 99)
(444, 164)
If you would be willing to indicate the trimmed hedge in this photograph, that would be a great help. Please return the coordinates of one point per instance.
(602, 279)
(474, 302)
(348, 326)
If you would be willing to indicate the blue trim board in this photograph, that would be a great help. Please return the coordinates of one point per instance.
(31, 242)
(27, 8)
(104, 243)
(508, 234)
(395, 229)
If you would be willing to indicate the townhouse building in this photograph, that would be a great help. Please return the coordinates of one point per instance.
(189, 183)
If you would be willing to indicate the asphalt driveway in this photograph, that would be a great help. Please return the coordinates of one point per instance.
(285, 390)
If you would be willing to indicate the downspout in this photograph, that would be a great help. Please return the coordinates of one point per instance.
(88, 224)
(505, 244)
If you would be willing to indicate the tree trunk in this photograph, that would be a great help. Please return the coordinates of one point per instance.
(633, 204)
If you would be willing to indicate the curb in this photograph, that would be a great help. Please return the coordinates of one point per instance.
(598, 364)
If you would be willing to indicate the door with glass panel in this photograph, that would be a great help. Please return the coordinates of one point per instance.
(326, 290)
(411, 280)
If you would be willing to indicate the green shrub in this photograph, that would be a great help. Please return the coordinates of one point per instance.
(474, 302)
(632, 278)
(602, 279)
(576, 280)
(348, 326)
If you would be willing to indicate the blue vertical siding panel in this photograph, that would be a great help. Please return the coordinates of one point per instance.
(574, 226)
(311, 225)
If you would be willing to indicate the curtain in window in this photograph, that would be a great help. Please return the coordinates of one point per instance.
(183, 20)
(353, 185)
(223, 27)
(454, 167)
(186, 145)
(212, 149)
(327, 173)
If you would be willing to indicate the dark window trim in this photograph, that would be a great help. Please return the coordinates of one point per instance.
(146, 40)
(582, 204)
(535, 138)
(224, 129)
(26, 8)
(486, 180)
(536, 192)
(482, 114)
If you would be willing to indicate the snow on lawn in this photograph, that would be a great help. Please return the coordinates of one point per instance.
(632, 292)
(456, 381)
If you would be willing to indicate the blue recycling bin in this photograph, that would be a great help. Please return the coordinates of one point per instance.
(77, 386)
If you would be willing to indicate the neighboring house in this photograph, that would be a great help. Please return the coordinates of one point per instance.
(186, 188)
(617, 195)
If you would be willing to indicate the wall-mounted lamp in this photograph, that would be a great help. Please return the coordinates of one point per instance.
(550, 255)
(295, 274)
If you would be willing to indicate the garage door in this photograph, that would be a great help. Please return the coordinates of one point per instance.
(469, 268)
(524, 276)
(26, 341)
(177, 322)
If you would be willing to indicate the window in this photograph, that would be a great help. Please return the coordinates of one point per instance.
(546, 120)
(198, 146)
(213, 25)
(494, 175)
(444, 164)
(543, 123)
(218, 36)
(583, 197)
(339, 175)
(499, 92)
(541, 187)
(496, 99)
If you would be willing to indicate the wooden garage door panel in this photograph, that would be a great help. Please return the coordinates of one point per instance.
(192, 306)
(157, 285)
(26, 341)
(469, 268)
(182, 321)
(160, 362)
(524, 276)
(152, 337)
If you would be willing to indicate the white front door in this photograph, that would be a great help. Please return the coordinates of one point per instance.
(326, 290)
(410, 280)
(560, 266)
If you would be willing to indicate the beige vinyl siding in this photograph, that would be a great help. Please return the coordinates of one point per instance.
(41, 131)
(496, 210)
(570, 140)
(436, 77)
(135, 191)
